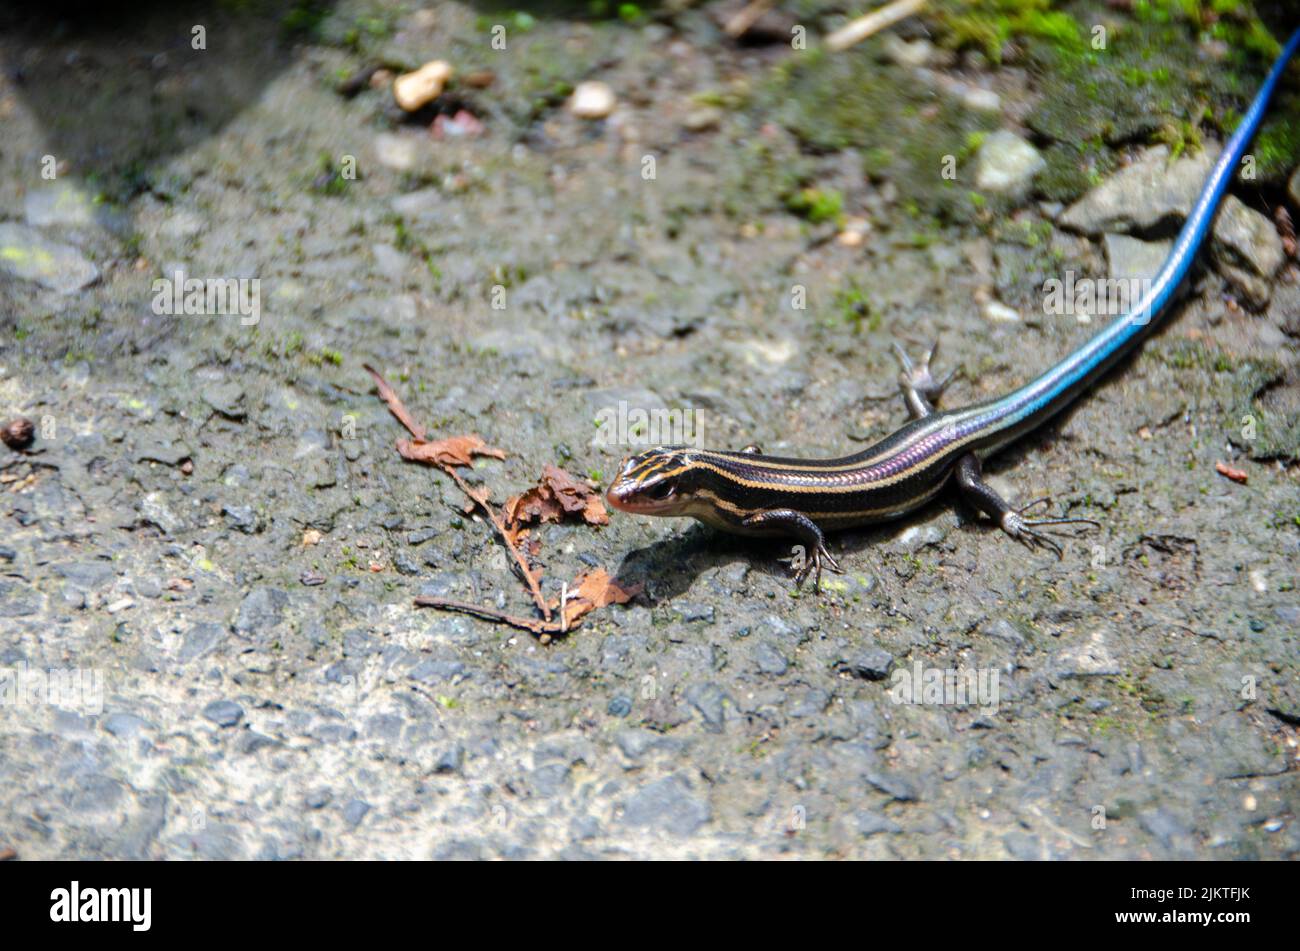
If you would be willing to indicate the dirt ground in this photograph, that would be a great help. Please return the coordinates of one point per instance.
(212, 548)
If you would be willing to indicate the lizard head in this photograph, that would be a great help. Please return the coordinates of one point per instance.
(659, 481)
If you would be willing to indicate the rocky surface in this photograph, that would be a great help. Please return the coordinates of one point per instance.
(1153, 192)
(214, 546)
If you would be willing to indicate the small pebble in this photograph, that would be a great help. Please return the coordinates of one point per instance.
(982, 100)
(702, 120)
(1000, 313)
(19, 433)
(592, 100)
(223, 712)
(414, 91)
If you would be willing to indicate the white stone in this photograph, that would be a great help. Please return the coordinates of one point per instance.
(1000, 313)
(592, 100)
(397, 152)
(1007, 164)
(982, 100)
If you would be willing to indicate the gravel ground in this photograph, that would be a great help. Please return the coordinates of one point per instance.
(215, 548)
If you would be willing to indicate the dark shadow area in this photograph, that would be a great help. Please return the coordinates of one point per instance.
(120, 86)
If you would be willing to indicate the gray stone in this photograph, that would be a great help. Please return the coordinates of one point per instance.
(59, 204)
(873, 823)
(390, 262)
(667, 805)
(436, 671)
(1025, 847)
(1140, 196)
(18, 599)
(809, 703)
(355, 811)
(168, 453)
(250, 741)
(226, 398)
(710, 701)
(29, 256)
(125, 724)
(223, 712)
(1131, 259)
(1246, 250)
(1004, 630)
(892, 785)
(692, 612)
(451, 759)
(241, 518)
(1152, 192)
(200, 640)
(770, 660)
(93, 792)
(871, 663)
(263, 608)
(155, 511)
(1163, 826)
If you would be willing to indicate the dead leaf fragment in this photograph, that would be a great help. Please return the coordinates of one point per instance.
(557, 494)
(1236, 475)
(395, 404)
(452, 451)
(592, 589)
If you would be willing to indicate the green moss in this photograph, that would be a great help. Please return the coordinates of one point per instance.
(1073, 168)
(854, 307)
(904, 133)
(1277, 147)
(989, 24)
(816, 204)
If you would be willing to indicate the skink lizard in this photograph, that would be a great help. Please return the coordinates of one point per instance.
(749, 493)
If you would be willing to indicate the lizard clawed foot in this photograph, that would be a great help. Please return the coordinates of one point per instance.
(1025, 529)
(805, 564)
(917, 378)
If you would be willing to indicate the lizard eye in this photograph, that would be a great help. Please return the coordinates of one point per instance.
(661, 491)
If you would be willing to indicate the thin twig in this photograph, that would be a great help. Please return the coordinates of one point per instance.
(742, 22)
(872, 23)
(399, 410)
(543, 629)
(529, 577)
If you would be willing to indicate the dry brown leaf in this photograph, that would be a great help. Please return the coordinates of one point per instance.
(556, 495)
(452, 451)
(593, 589)
(395, 404)
(1231, 472)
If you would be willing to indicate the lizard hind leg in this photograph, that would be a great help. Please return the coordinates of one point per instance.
(920, 389)
(970, 480)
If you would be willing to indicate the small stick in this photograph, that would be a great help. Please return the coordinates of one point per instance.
(872, 23)
(741, 23)
(543, 629)
(529, 577)
(399, 410)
